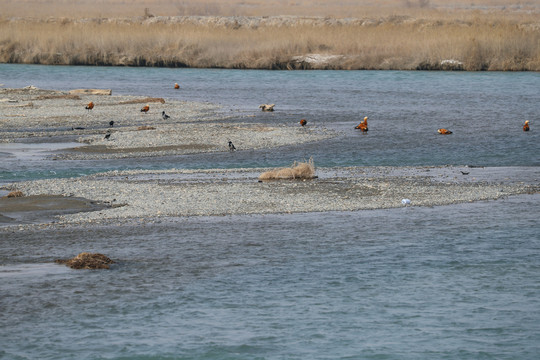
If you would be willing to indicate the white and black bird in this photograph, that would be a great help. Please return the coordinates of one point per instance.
(231, 146)
(164, 116)
(107, 135)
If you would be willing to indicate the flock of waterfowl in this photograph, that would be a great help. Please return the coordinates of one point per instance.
(363, 126)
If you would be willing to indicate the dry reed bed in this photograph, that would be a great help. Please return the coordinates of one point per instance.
(301, 171)
(397, 42)
(340, 8)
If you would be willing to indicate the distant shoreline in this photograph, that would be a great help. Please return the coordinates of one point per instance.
(472, 42)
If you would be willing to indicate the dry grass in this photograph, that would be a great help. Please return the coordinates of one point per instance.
(395, 34)
(301, 171)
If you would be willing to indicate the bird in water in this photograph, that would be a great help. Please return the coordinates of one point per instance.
(363, 125)
(176, 86)
(231, 146)
(111, 123)
(164, 116)
(145, 109)
(303, 122)
(444, 132)
(90, 106)
(526, 126)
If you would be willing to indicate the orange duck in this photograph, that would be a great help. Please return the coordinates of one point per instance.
(176, 86)
(90, 106)
(444, 132)
(145, 109)
(303, 122)
(363, 125)
(526, 126)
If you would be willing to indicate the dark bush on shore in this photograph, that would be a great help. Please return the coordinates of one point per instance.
(87, 260)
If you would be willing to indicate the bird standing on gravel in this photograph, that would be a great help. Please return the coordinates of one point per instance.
(107, 136)
(231, 146)
(164, 116)
(90, 106)
(145, 109)
(111, 123)
(303, 122)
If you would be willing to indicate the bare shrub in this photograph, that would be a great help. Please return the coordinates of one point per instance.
(302, 171)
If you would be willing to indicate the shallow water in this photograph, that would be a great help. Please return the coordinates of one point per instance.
(452, 282)
(411, 283)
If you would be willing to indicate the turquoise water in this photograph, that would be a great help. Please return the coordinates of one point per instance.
(484, 110)
(455, 282)
(450, 282)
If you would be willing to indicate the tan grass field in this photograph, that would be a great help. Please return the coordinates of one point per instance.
(274, 34)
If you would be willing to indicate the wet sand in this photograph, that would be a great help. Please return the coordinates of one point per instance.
(43, 208)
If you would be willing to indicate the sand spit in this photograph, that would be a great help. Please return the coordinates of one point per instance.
(34, 114)
(149, 195)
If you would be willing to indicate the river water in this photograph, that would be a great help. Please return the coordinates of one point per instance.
(451, 282)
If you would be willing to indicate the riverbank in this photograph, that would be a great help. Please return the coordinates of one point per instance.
(470, 41)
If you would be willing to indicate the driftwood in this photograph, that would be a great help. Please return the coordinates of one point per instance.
(144, 100)
(145, 127)
(91, 91)
(87, 260)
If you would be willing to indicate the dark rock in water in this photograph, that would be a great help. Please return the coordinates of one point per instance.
(87, 260)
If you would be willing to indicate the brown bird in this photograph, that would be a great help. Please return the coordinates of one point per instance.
(526, 126)
(90, 106)
(363, 125)
(303, 122)
(145, 109)
(176, 86)
(444, 132)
